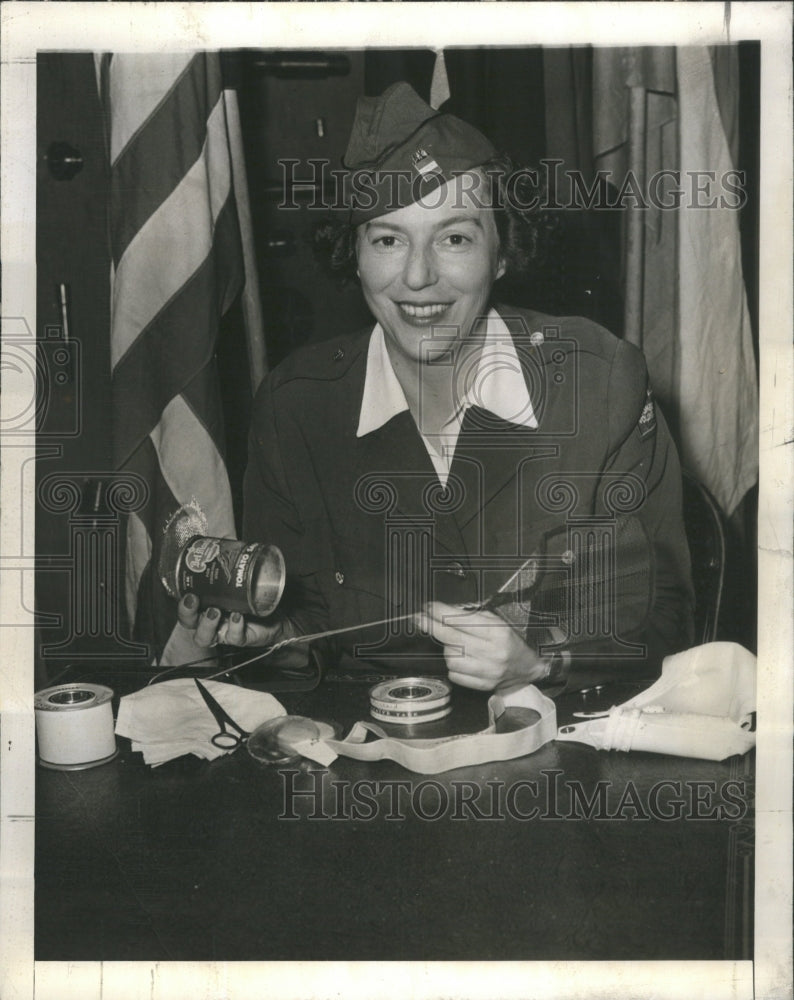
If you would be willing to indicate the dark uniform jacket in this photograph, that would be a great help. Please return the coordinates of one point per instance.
(368, 532)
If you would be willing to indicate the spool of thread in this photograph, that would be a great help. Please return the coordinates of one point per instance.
(74, 726)
(410, 700)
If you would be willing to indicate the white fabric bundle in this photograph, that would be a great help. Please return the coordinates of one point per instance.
(701, 706)
(169, 719)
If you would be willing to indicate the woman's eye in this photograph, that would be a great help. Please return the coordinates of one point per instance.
(456, 239)
(385, 241)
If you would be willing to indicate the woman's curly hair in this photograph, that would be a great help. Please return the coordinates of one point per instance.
(525, 225)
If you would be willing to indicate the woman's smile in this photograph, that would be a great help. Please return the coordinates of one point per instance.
(427, 270)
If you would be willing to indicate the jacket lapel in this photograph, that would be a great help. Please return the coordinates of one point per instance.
(488, 456)
(394, 468)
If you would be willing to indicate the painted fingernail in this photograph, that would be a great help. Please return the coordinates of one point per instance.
(213, 613)
(236, 617)
(191, 602)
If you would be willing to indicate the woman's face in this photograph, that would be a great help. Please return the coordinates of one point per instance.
(427, 269)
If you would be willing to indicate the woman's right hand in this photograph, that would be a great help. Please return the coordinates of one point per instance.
(209, 627)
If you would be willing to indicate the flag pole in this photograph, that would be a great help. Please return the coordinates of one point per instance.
(251, 300)
(635, 231)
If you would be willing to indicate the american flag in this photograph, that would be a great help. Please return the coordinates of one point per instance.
(177, 267)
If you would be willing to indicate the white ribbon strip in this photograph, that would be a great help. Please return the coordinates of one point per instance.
(433, 756)
(317, 750)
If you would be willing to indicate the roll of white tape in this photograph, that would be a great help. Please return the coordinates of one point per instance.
(74, 726)
(410, 718)
(410, 700)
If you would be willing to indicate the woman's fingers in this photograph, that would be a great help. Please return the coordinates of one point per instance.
(235, 630)
(257, 634)
(187, 611)
(472, 681)
(438, 616)
(460, 632)
(207, 628)
(206, 624)
(211, 627)
(482, 650)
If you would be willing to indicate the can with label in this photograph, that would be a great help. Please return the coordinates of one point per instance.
(234, 576)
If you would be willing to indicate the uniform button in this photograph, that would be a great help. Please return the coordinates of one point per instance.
(339, 577)
(456, 568)
(339, 354)
(567, 557)
(536, 338)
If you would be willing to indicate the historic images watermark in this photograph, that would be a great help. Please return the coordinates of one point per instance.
(318, 185)
(314, 795)
(44, 380)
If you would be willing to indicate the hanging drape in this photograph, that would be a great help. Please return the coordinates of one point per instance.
(692, 314)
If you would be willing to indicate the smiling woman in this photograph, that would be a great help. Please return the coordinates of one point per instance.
(411, 471)
(428, 268)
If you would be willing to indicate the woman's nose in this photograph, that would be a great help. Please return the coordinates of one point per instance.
(420, 269)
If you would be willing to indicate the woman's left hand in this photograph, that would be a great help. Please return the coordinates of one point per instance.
(482, 651)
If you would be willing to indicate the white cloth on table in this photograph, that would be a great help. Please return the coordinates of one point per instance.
(170, 719)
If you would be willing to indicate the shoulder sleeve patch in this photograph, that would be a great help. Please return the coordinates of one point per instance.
(646, 425)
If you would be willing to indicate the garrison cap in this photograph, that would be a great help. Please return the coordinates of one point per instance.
(400, 150)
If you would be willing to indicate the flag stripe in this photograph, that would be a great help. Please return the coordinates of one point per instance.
(139, 555)
(203, 397)
(173, 243)
(178, 428)
(138, 84)
(178, 267)
(142, 541)
(439, 84)
(173, 126)
(178, 344)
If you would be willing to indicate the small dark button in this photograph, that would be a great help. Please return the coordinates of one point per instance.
(339, 354)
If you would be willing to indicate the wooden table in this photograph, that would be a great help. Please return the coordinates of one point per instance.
(226, 860)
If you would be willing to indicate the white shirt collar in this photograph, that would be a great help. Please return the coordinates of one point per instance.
(496, 384)
(383, 396)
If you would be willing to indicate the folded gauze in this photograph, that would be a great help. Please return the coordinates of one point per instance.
(702, 706)
(169, 719)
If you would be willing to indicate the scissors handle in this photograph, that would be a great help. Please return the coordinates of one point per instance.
(223, 739)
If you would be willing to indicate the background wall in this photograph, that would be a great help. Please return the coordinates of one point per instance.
(71, 248)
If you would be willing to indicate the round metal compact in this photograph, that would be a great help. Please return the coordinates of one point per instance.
(274, 741)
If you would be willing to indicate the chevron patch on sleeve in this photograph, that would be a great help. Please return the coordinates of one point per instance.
(646, 425)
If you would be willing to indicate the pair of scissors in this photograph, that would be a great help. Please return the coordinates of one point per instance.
(223, 739)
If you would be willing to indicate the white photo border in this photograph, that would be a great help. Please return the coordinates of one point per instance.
(28, 28)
